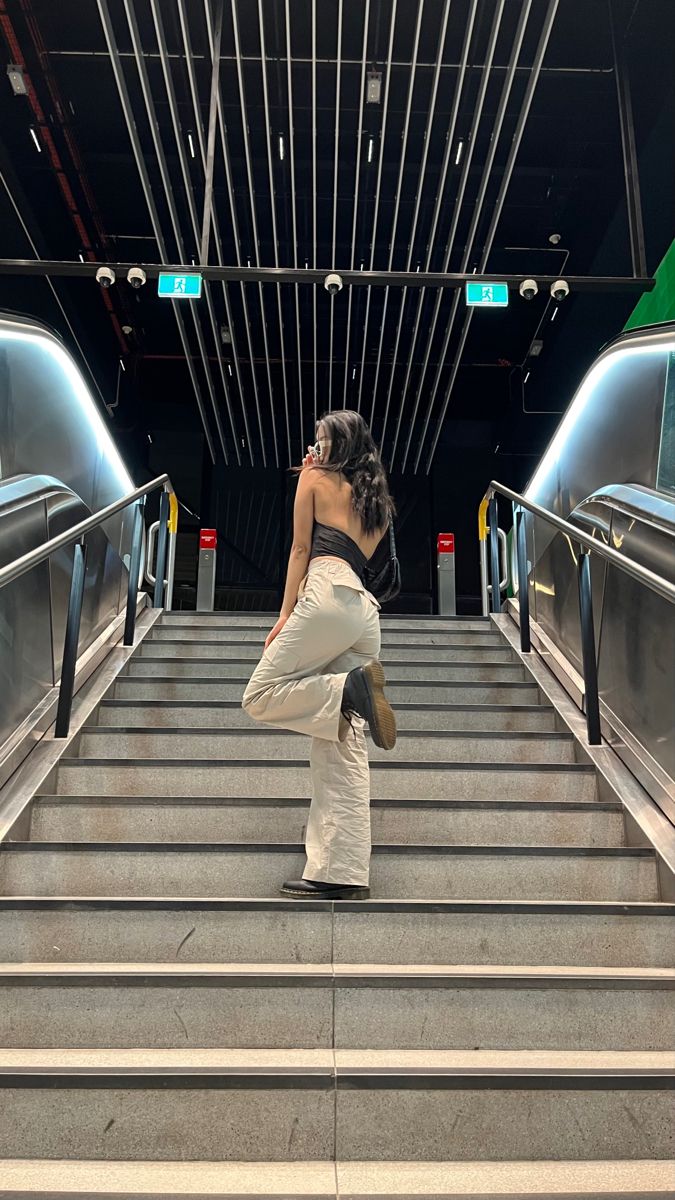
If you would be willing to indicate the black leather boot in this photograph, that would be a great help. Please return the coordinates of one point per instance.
(309, 889)
(364, 695)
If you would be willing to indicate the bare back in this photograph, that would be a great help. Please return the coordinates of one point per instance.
(333, 506)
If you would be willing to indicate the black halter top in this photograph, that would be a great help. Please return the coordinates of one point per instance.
(333, 542)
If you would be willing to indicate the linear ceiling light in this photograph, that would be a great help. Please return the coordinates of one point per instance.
(281, 146)
(191, 144)
(35, 138)
(370, 149)
(460, 151)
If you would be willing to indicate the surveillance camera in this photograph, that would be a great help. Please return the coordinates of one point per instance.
(136, 277)
(333, 284)
(105, 276)
(560, 289)
(528, 289)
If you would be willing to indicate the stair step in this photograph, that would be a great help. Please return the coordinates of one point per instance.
(489, 670)
(120, 929)
(620, 1179)
(248, 819)
(237, 869)
(319, 1104)
(163, 688)
(275, 745)
(391, 655)
(175, 1006)
(485, 635)
(190, 714)
(256, 620)
(388, 779)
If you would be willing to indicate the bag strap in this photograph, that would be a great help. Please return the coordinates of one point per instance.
(392, 540)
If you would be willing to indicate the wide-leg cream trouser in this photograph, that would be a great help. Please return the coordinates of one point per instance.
(298, 685)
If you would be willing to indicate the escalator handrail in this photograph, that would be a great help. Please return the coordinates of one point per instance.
(21, 565)
(650, 579)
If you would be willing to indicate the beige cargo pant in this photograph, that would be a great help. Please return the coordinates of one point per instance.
(298, 685)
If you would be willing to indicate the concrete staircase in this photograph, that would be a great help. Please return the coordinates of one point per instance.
(496, 1021)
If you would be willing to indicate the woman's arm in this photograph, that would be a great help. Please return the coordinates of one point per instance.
(298, 561)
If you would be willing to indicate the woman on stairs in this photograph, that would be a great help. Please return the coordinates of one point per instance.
(320, 673)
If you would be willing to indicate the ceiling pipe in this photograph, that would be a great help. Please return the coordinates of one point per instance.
(291, 147)
(473, 135)
(477, 209)
(418, 200)
(377, 194)
(499, 204)
(397, 203)
(132, 130)
(314, 191)
(178, 233)
(251, 194)
(194, 95)
(275, 237)
(359, 139)
(338, 69)
(431, 241)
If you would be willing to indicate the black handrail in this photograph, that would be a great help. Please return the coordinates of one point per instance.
(587, 545)
(77, 534)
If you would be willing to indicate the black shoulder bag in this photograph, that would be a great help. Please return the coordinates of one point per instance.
(382, 575)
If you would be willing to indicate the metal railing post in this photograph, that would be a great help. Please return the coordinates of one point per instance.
(523, 583)
(162, 539)
(589, 659)
(71, 641)
(134, 573)
(496, 603)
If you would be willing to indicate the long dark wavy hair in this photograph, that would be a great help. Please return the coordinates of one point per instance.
(353, 453)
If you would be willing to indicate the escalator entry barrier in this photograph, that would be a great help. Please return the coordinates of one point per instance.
(447, 594)
(206, 570)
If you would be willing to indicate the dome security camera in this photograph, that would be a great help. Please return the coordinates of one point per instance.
(560, 289)
(105, 276)
(333, 284)
(136, 277)
(528, 289)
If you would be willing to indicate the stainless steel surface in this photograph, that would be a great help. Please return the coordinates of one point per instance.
(602, 484)
(58, 465)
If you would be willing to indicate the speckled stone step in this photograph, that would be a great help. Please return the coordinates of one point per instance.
(178, 1005)
(191, 869)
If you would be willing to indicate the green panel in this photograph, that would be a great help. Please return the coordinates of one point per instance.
(658, 305)
(665, 479)
(487, 295)
(179, 287)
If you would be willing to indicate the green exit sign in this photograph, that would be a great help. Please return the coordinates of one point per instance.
(179, 287)
(487, 295)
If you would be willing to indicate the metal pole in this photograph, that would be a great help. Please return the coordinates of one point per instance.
(523, 585)
(162, 538)
(134, 574)
(636, 230)
(71, 641)
(496, 605)
(211, 137)
(589, 659)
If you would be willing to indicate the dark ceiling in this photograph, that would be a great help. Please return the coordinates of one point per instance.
(410, 181)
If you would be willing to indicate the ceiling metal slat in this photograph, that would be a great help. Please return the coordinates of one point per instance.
(452, 126)
(196, 108)
(291, 147)
(475, 125)
(478, 206)
(175, 224)
(540, 53)
(335, 194)
(314, 225)
(418, 201)
(275, 239)
(397, 203)
(254, 219)
(237, 247)
(127, 110)
(377, 192)
(359, 139)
